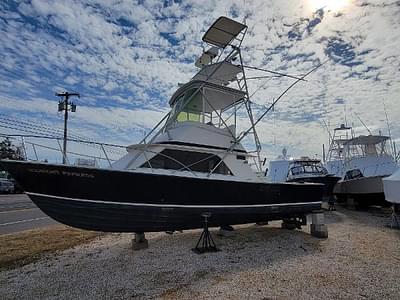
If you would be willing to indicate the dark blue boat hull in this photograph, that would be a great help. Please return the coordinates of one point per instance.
(124, 201)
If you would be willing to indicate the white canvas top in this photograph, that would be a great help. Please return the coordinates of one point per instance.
(222, 32)
(367, 140)
(219, 97)
(221, 73)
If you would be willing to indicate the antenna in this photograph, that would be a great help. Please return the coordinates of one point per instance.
(329, 132)
(388, 126)
(369, 131)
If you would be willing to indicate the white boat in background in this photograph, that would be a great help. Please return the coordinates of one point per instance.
(366, 163)
(391, 186)
(303, 169)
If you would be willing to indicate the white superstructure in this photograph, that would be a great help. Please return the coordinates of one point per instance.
(367, 155)
(199, 135)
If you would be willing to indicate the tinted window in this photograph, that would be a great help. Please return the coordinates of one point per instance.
(195, 161)
(356, 173)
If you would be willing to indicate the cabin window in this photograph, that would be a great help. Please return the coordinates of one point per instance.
(188, 116)
(296, 170)
(199, 162)
(192, 110)
(352, 174)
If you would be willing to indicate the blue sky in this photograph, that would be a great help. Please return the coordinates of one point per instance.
(126, 58)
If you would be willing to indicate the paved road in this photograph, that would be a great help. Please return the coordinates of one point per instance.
(18, 213)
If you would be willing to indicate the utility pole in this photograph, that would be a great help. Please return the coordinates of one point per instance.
(65, 105)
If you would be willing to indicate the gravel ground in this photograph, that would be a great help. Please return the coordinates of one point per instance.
(360, 259)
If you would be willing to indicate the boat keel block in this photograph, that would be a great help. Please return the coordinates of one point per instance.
(263, 223)
(226, 231)
(140, 242)
(318, 227)
(205, 242)
(293, 223)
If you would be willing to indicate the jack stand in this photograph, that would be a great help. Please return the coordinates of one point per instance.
(206, 241)
(395, 218)
(140, 242)
(331, 203)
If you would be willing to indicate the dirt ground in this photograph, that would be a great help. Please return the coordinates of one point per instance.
(21, 248)
(359, 260)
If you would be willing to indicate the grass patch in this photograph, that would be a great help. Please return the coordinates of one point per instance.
(18, 249)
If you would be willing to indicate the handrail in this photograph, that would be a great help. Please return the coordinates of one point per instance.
(13, 136)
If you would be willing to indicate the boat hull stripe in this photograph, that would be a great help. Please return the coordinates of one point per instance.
(172, 205)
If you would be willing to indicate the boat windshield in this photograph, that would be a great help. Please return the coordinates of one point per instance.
(299, 168)
(189, 107)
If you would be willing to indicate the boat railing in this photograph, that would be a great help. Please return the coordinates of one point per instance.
(34, 147)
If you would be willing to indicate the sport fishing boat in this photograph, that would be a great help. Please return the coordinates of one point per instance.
(191, 163)
(307, 169)
(304, 169)
(366, 163)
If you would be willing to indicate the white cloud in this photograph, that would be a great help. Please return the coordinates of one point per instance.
(127, 57)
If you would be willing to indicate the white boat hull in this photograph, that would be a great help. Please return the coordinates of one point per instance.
(391, 186)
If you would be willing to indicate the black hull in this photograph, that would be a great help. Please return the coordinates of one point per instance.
(328, 182)
(364, 200)
(122, 201)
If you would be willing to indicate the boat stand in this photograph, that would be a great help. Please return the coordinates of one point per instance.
(331, 203)
(205, 242)
(140, 242)
(395, 218)
(318, 227)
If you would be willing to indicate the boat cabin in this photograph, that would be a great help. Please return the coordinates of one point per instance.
(306, 167)
(367, 155)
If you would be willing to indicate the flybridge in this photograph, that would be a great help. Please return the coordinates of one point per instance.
(218, 93)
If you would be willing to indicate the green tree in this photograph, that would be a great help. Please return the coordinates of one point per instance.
(10, 151)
